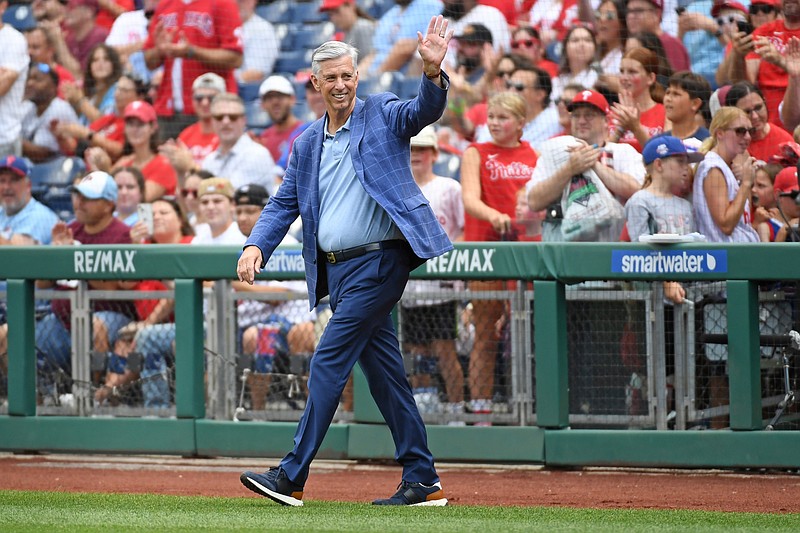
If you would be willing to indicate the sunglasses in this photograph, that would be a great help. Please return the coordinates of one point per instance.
(201, 97)
(517, 86)
(233, 117)
(760, 9)
(504, 73)
(741, 131)
(186, 193)
(526, 43)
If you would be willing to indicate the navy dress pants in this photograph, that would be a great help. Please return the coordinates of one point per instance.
(363, 292)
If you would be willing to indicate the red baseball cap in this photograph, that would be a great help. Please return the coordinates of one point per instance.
(333, 4)
(141, 110)
(786, 180)
(719, 5)
(774, 3)
(589, 97)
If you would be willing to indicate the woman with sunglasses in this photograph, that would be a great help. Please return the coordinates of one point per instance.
(187, 195)
(763, 11)
(525, 42)
(492, 173)
(578, 60)
(768, 136)
(724, 180)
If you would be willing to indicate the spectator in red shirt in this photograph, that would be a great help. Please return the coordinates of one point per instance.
(140, 151)
(198, 140)
(278, 99)
(768, 136)
(189, 38)
(525, 42)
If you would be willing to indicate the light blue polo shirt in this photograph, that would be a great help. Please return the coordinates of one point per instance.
(34, 220)
(348, 216)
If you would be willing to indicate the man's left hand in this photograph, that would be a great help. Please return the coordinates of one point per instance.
(433, 46)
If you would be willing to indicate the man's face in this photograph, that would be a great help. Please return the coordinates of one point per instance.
(678, 104)
(246, 217)
(470, 54)
(791, 10)
(78, 16)
(278, 106)
(38, 48)
(91, 212)
(216, 210)
(40, 88)
(642, 16)
(202, 102)
(588, 123)
(337, 81)
(229, 121)
(15, 191)
(525, 83)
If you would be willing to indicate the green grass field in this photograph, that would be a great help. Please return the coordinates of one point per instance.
(74, 512)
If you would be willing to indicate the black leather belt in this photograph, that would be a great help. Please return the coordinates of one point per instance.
(358, 251)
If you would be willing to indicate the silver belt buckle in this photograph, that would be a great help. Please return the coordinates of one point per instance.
(331, 257)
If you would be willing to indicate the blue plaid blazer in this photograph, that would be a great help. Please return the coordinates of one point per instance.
(381, 127)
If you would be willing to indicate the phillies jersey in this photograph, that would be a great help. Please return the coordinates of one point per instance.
(504, 171)
(200, 144)
(205, 24)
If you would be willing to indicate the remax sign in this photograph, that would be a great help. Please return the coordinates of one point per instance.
(669, 262)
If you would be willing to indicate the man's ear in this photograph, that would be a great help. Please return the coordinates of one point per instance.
(315, 83)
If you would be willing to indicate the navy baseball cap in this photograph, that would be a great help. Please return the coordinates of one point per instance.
(18, 165)
(251, 194)
(667, 146)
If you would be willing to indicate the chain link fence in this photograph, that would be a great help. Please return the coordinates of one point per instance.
(635, 360)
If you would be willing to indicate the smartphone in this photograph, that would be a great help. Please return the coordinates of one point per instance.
(146, 215)
(744, 26)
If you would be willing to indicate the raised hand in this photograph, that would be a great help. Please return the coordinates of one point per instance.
(433, 45)
(792, 57)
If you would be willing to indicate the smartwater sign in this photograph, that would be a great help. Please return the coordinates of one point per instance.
(669, 262)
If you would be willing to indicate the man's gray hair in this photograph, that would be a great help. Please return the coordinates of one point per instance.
(227, 97)
(332, 50)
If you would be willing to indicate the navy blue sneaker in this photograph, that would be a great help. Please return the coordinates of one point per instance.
(275, 485)
(416, 494)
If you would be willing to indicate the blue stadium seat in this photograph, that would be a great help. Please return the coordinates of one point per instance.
(19, 17)
(406, 88)
(59, 199)
(311, 35)
(308, 12)
(448, 165)
(277, 12)
(284, 35)
(249, 91)
(290, 61)
(60, 171)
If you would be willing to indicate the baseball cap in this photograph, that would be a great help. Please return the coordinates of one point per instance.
(91, 4)
(333, 4)
(589, 97)
(141, 110)
(774, 3)
(209, 80)
(18, 165)
(425, 139)
(658, 3)
(786, 180)
(476, 33)
(276, 84)
(251, 194)
(97, 185)
(719, 5)
(667, 146)
(215, 186)
(717, 99)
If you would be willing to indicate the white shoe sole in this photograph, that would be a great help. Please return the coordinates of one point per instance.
(275, 496)
(441, 502)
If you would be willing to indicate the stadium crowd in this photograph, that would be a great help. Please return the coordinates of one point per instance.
(567, 120)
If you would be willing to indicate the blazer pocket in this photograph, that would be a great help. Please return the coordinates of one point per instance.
(416, 201)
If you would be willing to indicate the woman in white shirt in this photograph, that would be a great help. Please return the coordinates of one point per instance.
(724, 180)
